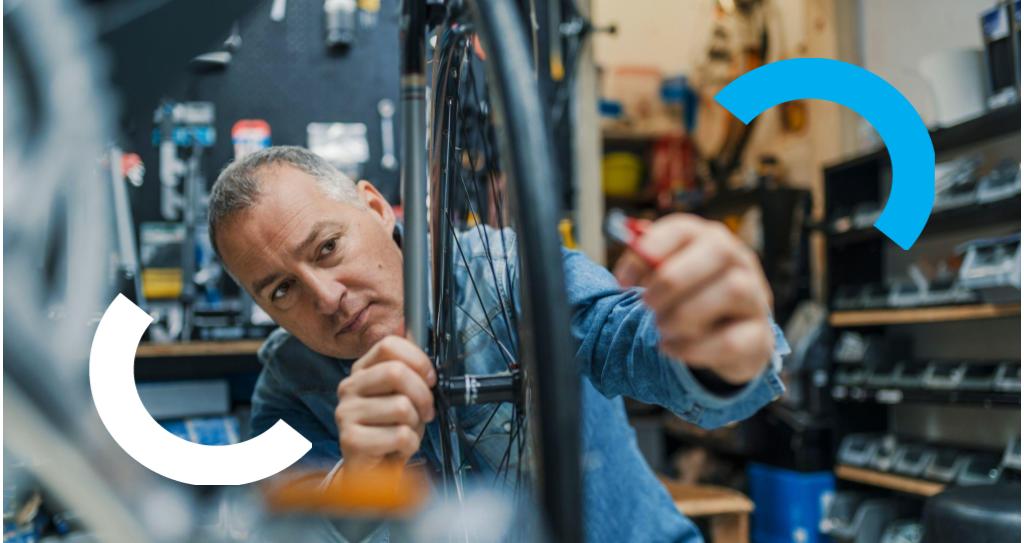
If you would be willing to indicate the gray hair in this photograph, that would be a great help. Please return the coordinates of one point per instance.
(238, 187)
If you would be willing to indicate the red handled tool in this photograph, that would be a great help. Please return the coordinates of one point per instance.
(627, 231)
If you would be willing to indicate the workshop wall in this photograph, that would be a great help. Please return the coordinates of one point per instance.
(676, 37)
(284, 74)
(894, 40)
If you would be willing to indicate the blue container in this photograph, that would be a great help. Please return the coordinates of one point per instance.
(788, 505)
(609, 109)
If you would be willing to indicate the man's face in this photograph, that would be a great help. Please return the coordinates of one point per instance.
(329, 272)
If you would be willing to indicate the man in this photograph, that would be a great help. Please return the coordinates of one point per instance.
(322, 256)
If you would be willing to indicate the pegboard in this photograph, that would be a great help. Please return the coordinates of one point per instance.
(283, 73)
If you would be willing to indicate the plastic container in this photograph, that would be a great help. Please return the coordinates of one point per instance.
(622, 174)
(957, 79)
(788, 505)
(913, 460)
(867, 521)
(858, 449)
(992, 268)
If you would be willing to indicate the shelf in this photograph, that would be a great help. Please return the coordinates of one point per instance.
(877, 317)
(885, 480)
(198, 348)
(895, 395)
(995, 123)
(947, 220)
(706, 500)
(638, 135)
(639, 201)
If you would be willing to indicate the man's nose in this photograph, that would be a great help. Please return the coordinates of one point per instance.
(328, 293)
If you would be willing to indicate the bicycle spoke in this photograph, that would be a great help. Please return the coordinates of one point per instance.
(506, 457)
(480, 434)
(509, 359)
(490, 171)
(475, 143)
(476, 289)
(490, 261)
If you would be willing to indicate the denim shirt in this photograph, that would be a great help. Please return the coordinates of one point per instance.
(617, 355)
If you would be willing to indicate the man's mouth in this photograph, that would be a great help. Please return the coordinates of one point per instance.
(356, 322)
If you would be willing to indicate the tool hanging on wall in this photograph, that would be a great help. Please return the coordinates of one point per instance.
(740, 41)
(344, 145)
(126, 167)
(340, 23)
(186, 128)
(388, 160)
(368, 12)
(219, 59)
(278, 10)
(249, 136)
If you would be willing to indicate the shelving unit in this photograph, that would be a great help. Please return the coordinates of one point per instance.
(862, 257)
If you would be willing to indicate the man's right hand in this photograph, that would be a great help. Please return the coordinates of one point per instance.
(384, 405)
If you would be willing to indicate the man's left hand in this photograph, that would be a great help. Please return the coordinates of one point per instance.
(708, 293)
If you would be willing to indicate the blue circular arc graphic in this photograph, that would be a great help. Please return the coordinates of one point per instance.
(904, 133)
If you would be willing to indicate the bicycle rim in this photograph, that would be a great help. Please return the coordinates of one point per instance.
(490, 167)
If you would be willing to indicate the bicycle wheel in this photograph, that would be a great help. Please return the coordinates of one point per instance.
(496, 268)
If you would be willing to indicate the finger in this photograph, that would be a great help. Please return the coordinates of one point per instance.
(668, 235)
(387, 378)
(737, 350)
(727, 297)
(380, 441)
(379, 411)
(686, 272)
(629, 269)
(661, 240)
(398, 348)
(403, 455)
(692, 268)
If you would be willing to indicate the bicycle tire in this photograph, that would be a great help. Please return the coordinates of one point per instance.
(545, 346)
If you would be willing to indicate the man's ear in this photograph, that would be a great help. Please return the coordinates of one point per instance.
(376, 203)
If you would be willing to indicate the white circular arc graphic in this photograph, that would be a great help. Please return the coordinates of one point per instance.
(112, 380)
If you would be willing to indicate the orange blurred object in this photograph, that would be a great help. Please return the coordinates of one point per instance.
(388, 490)
(478, 48)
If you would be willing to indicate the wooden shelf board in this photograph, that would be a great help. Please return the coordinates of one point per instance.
(887, 480)
(870, 317)
(198, 348)
(707, 500)
(639, 134)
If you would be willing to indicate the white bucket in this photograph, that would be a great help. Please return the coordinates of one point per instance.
(957, 78)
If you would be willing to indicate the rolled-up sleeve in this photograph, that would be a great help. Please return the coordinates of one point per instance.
(618, 351)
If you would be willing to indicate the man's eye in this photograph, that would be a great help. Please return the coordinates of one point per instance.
(328, 248)
(280, 291)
